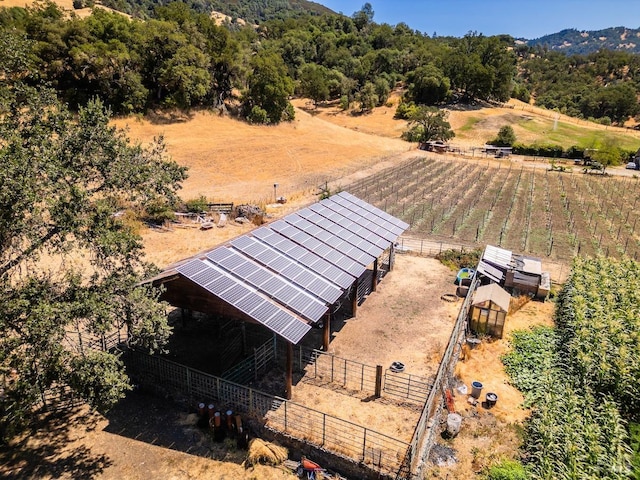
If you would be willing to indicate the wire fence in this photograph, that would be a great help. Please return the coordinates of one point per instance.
(432, 247)
(359, 377)
(381, 453)
(428, 425)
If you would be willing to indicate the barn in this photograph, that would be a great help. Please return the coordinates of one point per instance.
(292, 274)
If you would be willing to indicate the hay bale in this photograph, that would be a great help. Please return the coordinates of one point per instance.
(261, 452)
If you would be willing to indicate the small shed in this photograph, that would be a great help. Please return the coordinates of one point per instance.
(489, 309)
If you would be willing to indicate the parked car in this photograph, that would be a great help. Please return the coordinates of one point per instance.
(631, 166)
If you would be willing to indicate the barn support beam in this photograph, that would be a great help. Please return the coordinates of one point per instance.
(354, 299)
(392, 256)
(289, 372)
(327, 332)
(374, 279)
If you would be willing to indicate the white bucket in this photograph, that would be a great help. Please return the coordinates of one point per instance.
(454, 421)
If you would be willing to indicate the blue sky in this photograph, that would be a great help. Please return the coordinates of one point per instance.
(519, 18)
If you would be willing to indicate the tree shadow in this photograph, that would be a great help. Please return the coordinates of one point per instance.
(169, 117)
(45, 451)
(145, 417)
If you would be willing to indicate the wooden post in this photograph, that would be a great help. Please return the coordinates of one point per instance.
(354, 299)
(374, 279)
(327, 332)
(378, 392)
(289, 371)
(243, 330)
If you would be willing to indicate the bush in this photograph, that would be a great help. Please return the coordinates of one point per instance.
(414, 134)
(258, 116)
(508, 470)
(404, 110)
(158, 212)
(197, 205)
(344, 102)
(289, 113)
(456, 259)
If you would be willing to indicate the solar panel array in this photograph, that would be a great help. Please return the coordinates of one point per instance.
(287, 274)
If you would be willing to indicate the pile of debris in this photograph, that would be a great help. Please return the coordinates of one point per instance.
(249, 213)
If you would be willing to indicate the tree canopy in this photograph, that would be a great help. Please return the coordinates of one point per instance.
(428, 124)
(179, 57)
(63, 182)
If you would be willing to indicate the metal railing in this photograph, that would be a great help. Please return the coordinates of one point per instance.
(379, 452)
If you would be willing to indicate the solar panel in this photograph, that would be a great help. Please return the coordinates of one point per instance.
(368, 218)
(279, 264)
(259, 277)
(234, 294)
(314, 310)
(219, 254)
(246, 269)
(206, 276)
(264, 310)
(191, 268)
(272, 286)
(303, 262)
(295, 330)
(280, 320)
(250, 302)
(231, 262)
(376, 211)
(221, 285)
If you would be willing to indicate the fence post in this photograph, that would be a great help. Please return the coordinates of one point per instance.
(188, 372)
(345, 373)
(324, 428)
(362, 373)
(285, 415)
(332, 358)
(364, 445)
(378, 392)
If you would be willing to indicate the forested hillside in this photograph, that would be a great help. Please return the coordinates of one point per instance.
(250, 11)
(572, 41)
(180, 58)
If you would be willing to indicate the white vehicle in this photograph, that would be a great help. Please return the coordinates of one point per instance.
(631, 166)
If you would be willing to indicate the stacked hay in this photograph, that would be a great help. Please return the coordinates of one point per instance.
(261, 452)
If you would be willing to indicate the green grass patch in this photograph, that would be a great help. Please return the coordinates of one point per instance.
(469, 125)
(568, 134)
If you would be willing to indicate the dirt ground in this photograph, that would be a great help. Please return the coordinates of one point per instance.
(398, 322)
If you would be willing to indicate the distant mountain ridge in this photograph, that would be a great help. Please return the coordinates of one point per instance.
(581, 42)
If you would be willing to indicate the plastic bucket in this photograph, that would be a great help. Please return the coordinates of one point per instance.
(492, 398)
(454, 421)
(476, 389)
(473, 342)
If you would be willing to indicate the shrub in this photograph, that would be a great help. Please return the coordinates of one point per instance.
(158, 212)
(258, 116)
(197, 205)
(344, 102)
(456, 259)
(404, 110)
(508, 470)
